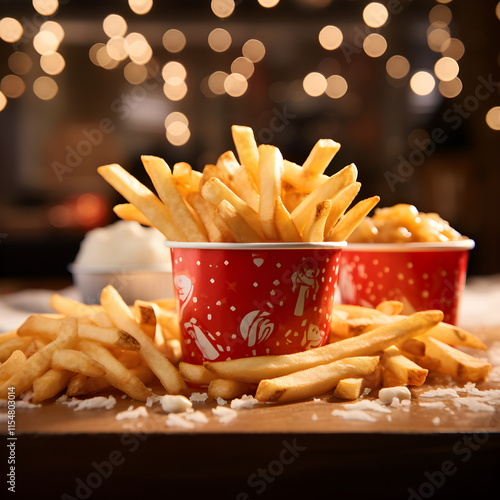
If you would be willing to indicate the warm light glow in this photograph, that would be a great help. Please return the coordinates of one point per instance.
(216, 82)
(336, 86)
(497, 10)
(174, 40)
(219, 40)
(314, 84)
(140, 7)
(450, 89)
(243, 66)
(254, 50)
(20, 63)
(114, 25)
(235, 85)
(94, 50)
(45, 42)
(493, 118)
(52, 63)
(54, 28)
(223, 8)
(174, 72)
(135, 73)
(12, 86)
(3, 101)
(454, 48)
(440, 13)
(178, 133)
(374, 45)
(117, 48)
(11, 30)
(397, 67)
(446, 69)
(422, 83)
(46, 7)
(140, 52)
(375, 15)
(330, 37)
(269, 3)
(104, 59)
(437, 38)
(45, 88)
(175, 91)
(176, 116)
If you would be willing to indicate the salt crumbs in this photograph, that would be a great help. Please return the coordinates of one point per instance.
(132, 413)
(225, 414)
(93, 403)
(245, 402)
(198, 397)
(354, 415)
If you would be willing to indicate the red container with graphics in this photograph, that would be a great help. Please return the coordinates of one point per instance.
(237, 300)
(421, 275)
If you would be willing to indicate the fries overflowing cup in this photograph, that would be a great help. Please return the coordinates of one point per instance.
(238, 300)
(420, 275)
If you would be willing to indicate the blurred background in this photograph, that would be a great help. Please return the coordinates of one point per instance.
(409, 89)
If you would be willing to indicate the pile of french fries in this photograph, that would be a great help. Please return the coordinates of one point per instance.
(82, 350)
(256, 198)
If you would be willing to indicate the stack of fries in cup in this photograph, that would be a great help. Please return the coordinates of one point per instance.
(84, 349)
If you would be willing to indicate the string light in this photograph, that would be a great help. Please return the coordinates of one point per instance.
(12, 86)
(254, 50)
(422, 83)
(11, 30)
(46, 7)
(336, 86)
(174, 40)
(315, 84)
(235, 85)
(52, 63)
(374, 45)
(446, 69)
(140, 7)
(493, 118)
(219, 40)
(222, 8)
(3, 101)
(45, 88)
(375, 15)
(114, 25)
(451, 88)
(397, 67)
(20, 63)
(330, 37)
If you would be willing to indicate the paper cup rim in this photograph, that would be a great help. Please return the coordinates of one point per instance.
(459, 245)
(333, 245)
(136, 269)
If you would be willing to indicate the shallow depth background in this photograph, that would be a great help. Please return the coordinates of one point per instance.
(86, 89)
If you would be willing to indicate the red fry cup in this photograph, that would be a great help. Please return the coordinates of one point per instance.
(420, 275)
(238, 300)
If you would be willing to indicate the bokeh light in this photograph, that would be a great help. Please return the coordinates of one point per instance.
(374, 45)
(454, 48)
(11, 30)
(140, 7)
(135, 73)
(114, 25)
(422, 83)
(375, 15)
(314, 84)
(45, 42)
(176, 116)
(493, 118)
(216, 82)
(12, 86)
(397, 67)
(55, 28)
(269, 3)
(330, 37)
(451, 88)
(117, 48)
(446, 69)
(219, 40)
(243, 66)
(46, 7)
(254, 50)
(20, 63)
(140, 51)
(336, 86)
(235, 85)
(223, 8)
(3, 101)
(52, 63)
(174, 40)
(437, 37)
(45, 88)
(441, 14)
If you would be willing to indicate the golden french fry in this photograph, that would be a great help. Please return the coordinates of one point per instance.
(328, 189)
(390, 307)
(77, 362)
(247, 150)
(259, 367)
(52, 382)
(14, 344)
(4, 337)
(127, 211)
(228, 163)
(245, 187)
(270, 173)
(144, 199)
(314, 230)
(348, 222)
(69, 307)
(294, 175)
(242, 232)
(313, 381)
(117, 374)
(120, 314)
(40, 362)
(349, 388)
(145, 315)
(353, 311)
(164, 183)
(340, 203)
(181, 173)
(80, 385)
(456, 363)
(206, 213)
(49, 328)
(195, 374)
(404, 370)
(320, 157)
(216, 192)
(12, 365)
(228, 389)
(284, 223)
